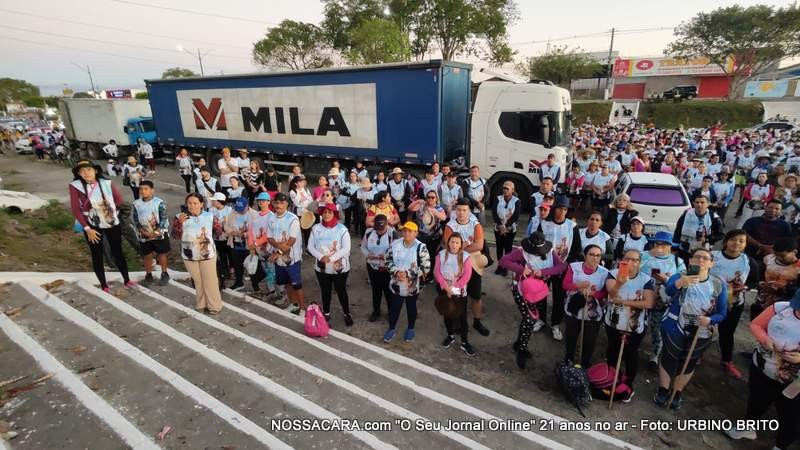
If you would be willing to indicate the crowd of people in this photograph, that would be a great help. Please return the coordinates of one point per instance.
(583, 247)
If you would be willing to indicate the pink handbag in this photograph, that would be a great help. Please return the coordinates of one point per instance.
(315, 324)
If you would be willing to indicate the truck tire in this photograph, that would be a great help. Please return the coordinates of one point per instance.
(522, 186)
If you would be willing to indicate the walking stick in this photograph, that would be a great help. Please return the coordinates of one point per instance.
(616, 370)
(579, 355)
(685, 364)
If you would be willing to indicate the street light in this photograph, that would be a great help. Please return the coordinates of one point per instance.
(198, 56)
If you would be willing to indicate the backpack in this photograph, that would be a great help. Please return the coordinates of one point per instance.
(315, 324)
(419, 261)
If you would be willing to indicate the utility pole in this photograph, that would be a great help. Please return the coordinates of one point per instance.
(198, 56)
(610, 68)
(91, 80)
(200, 60)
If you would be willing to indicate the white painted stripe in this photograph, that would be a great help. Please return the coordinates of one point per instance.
(72, 383)
(221, 360)
(4, 445)
(390, 376)
(172, 184)
(430, 370)
(198, 395)
(346, 385)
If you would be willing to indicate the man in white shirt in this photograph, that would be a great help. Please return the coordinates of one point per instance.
(228, 168)
(110, 149)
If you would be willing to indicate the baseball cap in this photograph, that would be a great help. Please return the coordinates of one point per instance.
(263, 196)
(241, 204)
(409, 225)
(280, 197)
(219, 196)
(380, 221)
(638, 219)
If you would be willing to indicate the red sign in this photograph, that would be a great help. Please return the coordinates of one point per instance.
(211, 116)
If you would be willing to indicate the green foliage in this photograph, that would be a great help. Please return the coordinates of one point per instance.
(562, 65)
(177, 72)
(33, 100)
(52, 217)
(12, 90)
(142, 95)
(757, 37)
(378, 41)
(82, 95)
(51, 100)
(294, 46)
(343, 17)
(689, 114)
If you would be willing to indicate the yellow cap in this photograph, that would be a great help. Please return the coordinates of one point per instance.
(409, 225)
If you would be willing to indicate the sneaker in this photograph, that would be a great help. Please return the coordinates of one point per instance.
(731, 369)
(652, 363)
(107, 290)
(327, 316)
(518, 349)
(498, 271)
(148, 279)
(662, 397)
(741, 434)
(676, 402)
(130, 284)
(448, 341)
(389, 335)
(281, 302)
(164, 279)
(295, 309)
(236, 285)
(538, 325)
(557, 334)
(480, 327)
(408, 336)
(348, 320)
(521, 360)
(468, 349)
(374, 316)
(629, 397)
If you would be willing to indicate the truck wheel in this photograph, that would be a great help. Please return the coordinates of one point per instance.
(94, 151)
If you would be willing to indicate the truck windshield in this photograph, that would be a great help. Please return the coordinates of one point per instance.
(559, 128)
(147, 126)
(546, 128)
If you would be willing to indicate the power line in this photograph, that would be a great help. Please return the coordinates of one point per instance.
(125, 30)
(599, 33)
(141, 47)
(188, 11)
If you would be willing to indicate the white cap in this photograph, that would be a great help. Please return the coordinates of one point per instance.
(219, 196)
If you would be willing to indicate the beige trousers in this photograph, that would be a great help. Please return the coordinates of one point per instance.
(206, 283)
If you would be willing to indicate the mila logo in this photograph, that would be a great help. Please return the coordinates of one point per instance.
(209, 117)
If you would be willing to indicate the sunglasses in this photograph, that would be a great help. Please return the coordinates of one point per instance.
(431, 197)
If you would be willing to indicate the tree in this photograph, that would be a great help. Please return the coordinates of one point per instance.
(378, 41)
(343, 17)
(562, 65)
(34, 100)
(51, 100)
(141, 95)
(82, 95)
(459, 26)
(294, 46)
(177, 72)
(757, 38)
(12, 90)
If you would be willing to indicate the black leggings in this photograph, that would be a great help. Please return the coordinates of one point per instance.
(527, 322)
(591, 327)
(223, 258)
(238, 254)
(449, 324)
(114, 236)
(135, 190)
(765, 391)
(379, 281)
(726, 330)
(396, 305)
(503, 243)
(330, 281)
(187, 180)
(557, 288)
(630, 355)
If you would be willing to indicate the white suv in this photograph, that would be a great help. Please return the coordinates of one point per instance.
(660, 199)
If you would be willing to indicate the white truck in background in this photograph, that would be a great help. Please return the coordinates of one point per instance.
(92, 123)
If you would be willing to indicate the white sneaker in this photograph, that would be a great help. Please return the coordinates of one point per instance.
(557, 334)
(741, 434)
(538, 325)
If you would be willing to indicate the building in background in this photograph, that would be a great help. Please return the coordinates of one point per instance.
(642, 78)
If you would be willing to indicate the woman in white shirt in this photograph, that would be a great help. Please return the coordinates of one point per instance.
(329, 244)
(132, 174)
(185, 164)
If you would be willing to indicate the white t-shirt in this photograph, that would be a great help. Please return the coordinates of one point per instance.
(225, 179)
(146, 150)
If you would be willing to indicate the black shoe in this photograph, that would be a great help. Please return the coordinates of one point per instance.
(521, 360)
(327, 316)
(348, 321)
(448, 341)
(676, 402)
(374, 316)
(498, 271)
(148, 279)
(237, 285)
(480, 327)
(468, 349)
(662, 397)
(164, 279)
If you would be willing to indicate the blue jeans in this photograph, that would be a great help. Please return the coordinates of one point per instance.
(396, 304)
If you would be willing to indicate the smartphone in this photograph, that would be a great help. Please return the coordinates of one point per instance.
(623, 269)
(693, 269)
(654, 272)
(184, 209)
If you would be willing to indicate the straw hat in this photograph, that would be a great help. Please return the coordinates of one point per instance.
(479, 262)
(307, 220)
(334, 172)
(366, 183)
(397, 170)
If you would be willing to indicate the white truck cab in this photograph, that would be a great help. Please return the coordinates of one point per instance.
(514, 127)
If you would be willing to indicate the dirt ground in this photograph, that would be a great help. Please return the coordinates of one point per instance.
(710, 395)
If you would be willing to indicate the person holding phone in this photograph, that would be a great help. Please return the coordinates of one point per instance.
(698, 227)
(698, 300)
(631, 294)
(732, 265)
(452, 270)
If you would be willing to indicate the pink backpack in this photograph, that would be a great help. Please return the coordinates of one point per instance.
(315, 325)
(601, 376)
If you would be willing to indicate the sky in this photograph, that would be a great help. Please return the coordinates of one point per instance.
(124, 42)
